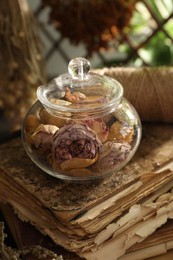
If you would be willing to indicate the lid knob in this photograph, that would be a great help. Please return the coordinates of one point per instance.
(79, 68)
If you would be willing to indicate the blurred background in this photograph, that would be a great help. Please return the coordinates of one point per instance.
(136, 33)
(38, 38)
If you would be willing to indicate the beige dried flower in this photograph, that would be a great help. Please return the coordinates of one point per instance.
(42, 137)
(121, 132)
(111, 155)
(32, 122)
(48, 119)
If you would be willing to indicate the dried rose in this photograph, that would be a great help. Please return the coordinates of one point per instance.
(111, 154)
(74, 140)
(42, 137)
(99, 126)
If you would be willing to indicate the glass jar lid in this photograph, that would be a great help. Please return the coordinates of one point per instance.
(80, 92)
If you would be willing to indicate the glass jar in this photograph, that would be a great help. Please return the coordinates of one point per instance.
(81, 128)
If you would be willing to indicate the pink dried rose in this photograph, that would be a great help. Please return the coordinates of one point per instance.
(42, 137)
(99, 126)
(110, 155)
(74, 141)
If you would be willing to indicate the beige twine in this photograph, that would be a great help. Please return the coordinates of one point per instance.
(150, 90)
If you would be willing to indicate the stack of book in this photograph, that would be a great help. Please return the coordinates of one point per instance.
(111, 218)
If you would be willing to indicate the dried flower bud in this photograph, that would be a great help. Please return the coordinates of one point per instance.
(75, 140)
(98, 126)
(110, 155)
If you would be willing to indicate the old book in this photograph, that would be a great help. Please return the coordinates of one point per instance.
(154, 245)
(85, 221)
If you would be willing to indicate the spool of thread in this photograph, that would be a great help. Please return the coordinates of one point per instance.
(150, 90)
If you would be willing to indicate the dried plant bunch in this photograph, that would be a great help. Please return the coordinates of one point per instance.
(92, 22)
(22, 65)
(33, 252)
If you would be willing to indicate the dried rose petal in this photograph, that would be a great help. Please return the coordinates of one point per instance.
(80, 172)
(48, 119)
(42, 137)
(74, 140)
(77, 163)
(99, 126)
(75, 96)
(60, 102)
(111, 154)
(121, 132)
(32, 122)
(54, 164)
